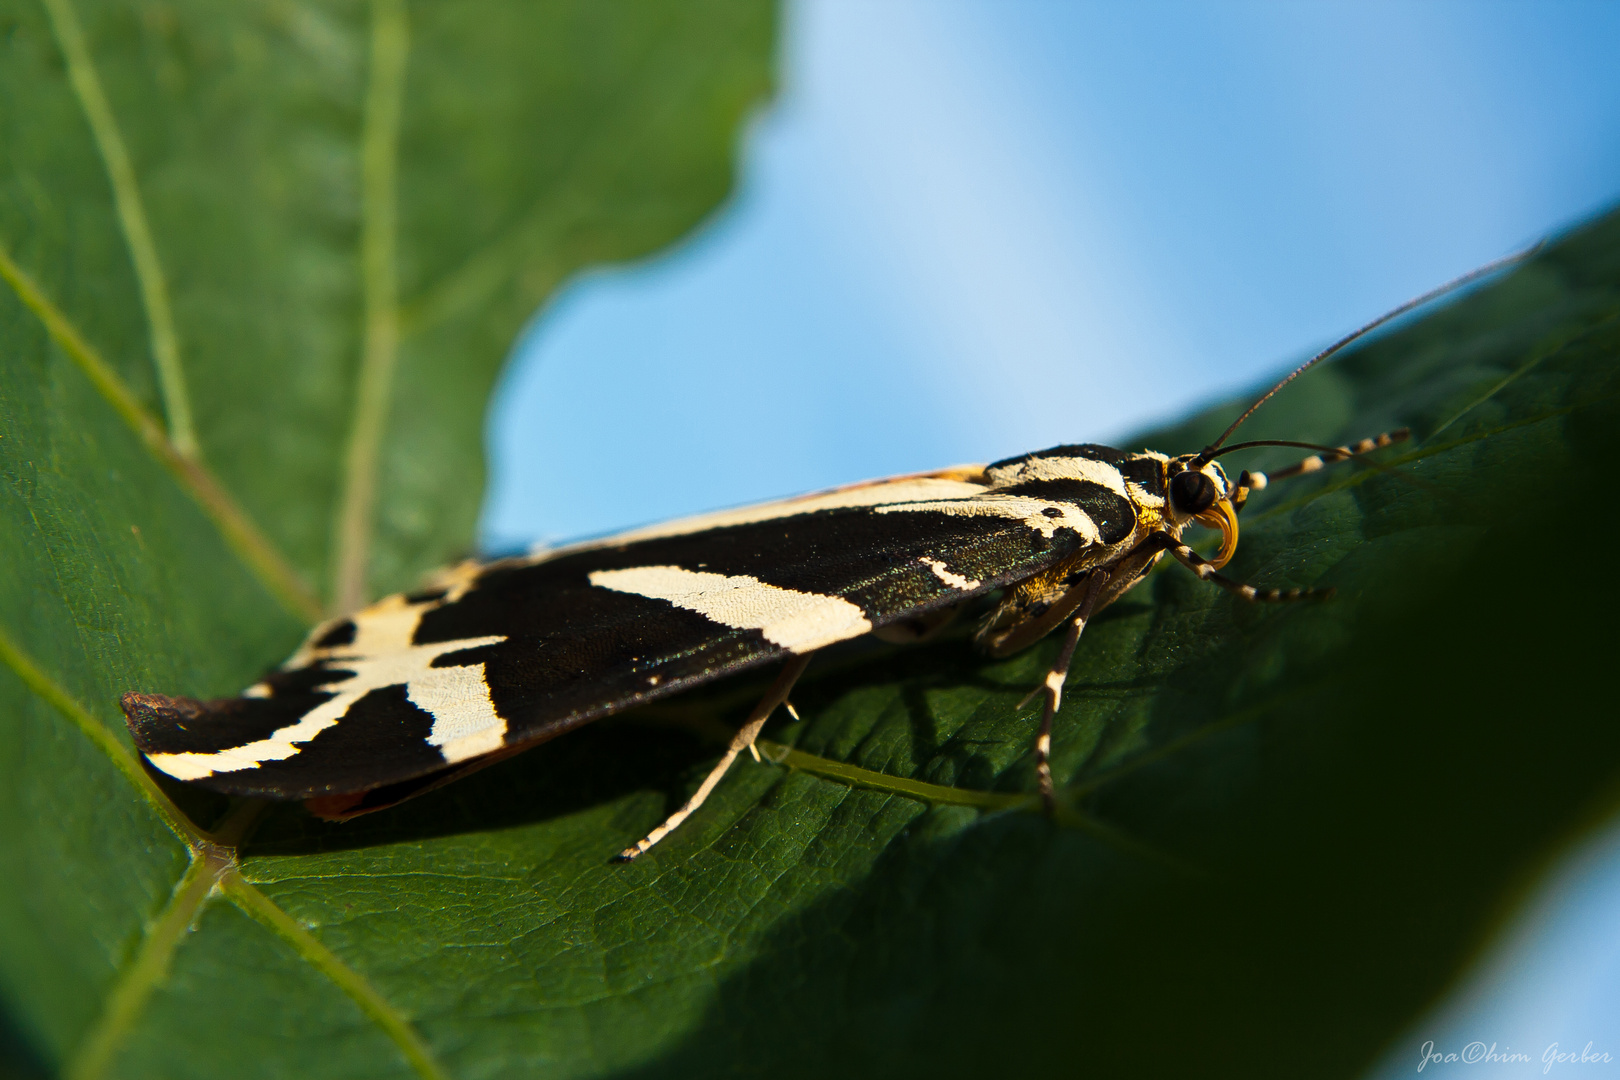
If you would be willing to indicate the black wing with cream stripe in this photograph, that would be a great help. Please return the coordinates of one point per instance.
(518, 651)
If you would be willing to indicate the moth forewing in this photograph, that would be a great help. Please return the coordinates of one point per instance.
(521, 650)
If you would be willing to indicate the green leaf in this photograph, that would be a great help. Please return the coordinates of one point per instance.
(259, 266)
(1285, 829)
(301, 207)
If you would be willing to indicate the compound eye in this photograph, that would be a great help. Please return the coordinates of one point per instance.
(1192, 491)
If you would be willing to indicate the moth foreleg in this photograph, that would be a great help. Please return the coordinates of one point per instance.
(1206, 570)
(1052, 687)
(743, 740)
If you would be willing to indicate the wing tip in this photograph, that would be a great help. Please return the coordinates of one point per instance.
(148, 714)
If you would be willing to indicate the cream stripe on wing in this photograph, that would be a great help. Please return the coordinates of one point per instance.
(464, 720)
(797, 621)
(873, 494)
(923, 494)
(1061, 468)
(948, 576)
(1031, 512)
(465, 723)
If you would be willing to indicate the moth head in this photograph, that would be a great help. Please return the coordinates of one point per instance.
(1199, 491)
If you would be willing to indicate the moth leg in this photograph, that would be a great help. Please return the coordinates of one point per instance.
(1206, 570)
(1053, 687)
(743, 740)
(1256, 481)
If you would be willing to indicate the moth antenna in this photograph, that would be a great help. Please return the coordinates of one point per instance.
(1328, 455)
(1474, 275)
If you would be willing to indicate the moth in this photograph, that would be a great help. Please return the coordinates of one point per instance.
(491, 658)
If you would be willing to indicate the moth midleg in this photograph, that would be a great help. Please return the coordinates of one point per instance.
(1249, 481)
(743, 740)
(1052, 686)
(1206, 570)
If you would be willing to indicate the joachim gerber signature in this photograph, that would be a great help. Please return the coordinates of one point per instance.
(1477, 1053)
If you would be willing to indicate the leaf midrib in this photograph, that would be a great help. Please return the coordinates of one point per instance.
(149, 276)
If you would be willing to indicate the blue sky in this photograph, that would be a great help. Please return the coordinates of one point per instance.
(970, 229)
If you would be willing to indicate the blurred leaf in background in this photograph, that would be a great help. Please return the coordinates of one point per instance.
(1289, 827)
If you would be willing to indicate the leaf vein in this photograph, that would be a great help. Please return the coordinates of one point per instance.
(35, 679)
(379, 226)
(165, 341)
(239, 531)
(371, 1002)
(146, 972)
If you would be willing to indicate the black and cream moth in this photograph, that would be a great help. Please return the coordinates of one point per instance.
(516, 651)
(494, 657)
